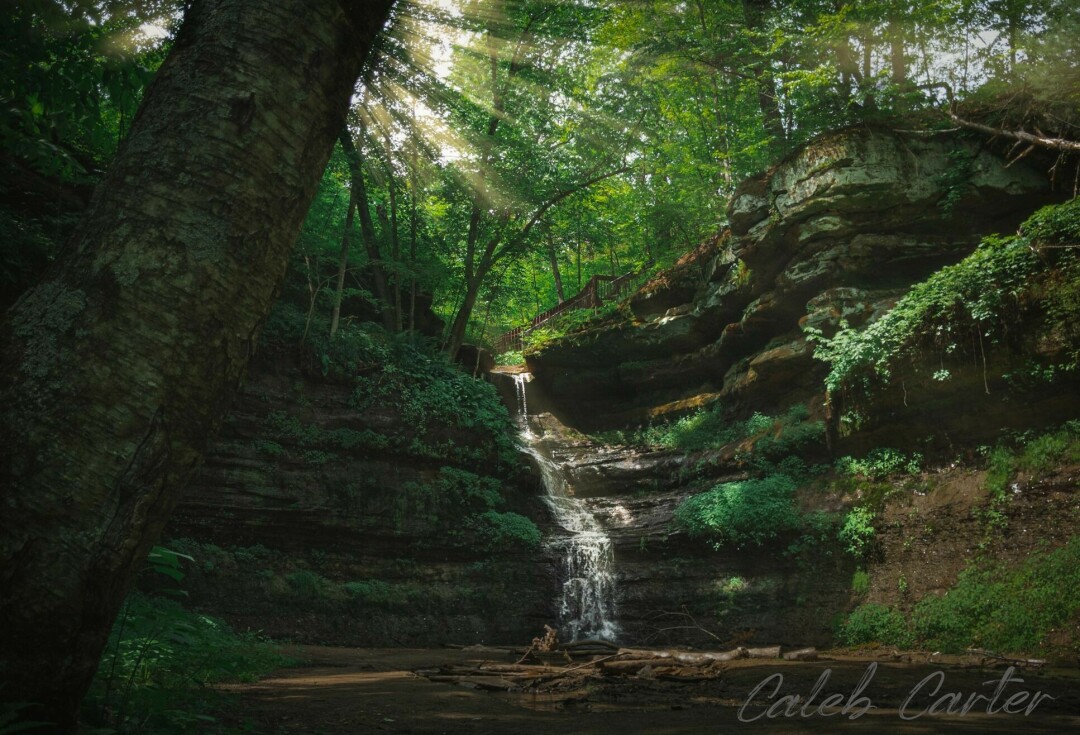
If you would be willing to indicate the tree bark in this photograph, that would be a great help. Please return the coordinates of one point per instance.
(343, 265)
(120, 365)
(556, 274)
(367, 229)
(897, 61)
(768, 102)
(461, 319)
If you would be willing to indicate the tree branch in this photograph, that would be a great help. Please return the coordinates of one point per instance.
(1022, 136)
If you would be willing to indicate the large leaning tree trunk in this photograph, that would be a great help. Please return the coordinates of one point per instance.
(120, 365)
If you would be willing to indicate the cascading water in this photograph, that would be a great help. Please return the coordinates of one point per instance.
(587, 608)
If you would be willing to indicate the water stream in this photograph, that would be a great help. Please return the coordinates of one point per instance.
(587, 606)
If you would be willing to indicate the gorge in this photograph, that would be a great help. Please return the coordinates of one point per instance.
(849, 224)
(576, 366)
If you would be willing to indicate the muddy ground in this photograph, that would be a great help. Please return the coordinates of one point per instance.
(341, 690)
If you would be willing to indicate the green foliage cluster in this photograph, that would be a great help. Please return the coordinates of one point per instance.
(707, 428)
(505, 531)
(510, 358)
(162, 660)
(860, 582)
(1033, 456)
(74, 74)
(742, 513)
(284, 427)
(857, 530)
(872, 622)
(976, 296)
(446, 413)
(1007, 610)
(574, 322)
(881, 462)
(468, 503)
(760, 508)
(277, 579)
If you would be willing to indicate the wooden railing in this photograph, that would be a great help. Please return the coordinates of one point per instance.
(598, 290)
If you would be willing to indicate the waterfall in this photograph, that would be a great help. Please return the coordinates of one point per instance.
(587, 607)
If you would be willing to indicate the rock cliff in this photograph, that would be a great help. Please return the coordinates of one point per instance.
(837, 231)
(828, 242)
(320, 521)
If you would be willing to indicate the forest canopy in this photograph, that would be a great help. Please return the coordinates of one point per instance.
(500, 154)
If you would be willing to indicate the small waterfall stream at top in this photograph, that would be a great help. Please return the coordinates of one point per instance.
(587, 608)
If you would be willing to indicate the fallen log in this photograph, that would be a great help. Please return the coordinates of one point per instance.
(1033, 662)
(707, 657)
(803, 654)
(491, 683)
(636, 664)
(768, 652)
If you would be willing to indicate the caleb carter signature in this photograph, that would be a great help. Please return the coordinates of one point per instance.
(924, 699)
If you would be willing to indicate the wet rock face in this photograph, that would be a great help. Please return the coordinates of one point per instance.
(673, 590)
(838, 231)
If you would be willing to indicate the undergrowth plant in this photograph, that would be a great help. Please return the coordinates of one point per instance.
(742, 513)
(397, 374)
(1010, 610)
(161, 663)
(973, 301)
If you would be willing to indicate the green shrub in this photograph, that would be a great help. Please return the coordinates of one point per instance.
(1035, 456)
(308, 585)
(707, 428)
(1054, 224)
(881, 462)
(857, 531)
(510, 358)
(160, 661)
(506, 531)
(874, 623)
(371, 592)
(269, 448)
(742, 513)
(977, 295)
(397, 374)
(1007, 610)
(860, 582)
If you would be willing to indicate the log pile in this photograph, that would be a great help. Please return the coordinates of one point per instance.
(568, 666)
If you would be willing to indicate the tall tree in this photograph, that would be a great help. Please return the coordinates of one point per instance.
(121, 363)
(367, 228)
(535, 144)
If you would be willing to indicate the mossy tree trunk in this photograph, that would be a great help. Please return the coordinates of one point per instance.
(120, 365)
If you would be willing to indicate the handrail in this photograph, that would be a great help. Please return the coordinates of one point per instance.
(598, 289)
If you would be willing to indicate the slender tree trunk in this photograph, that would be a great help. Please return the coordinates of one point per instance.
(120, 365)
(413, 224)
(461, 319)
(768, 101)
(535, 286)
(554, 258)
(897, 61)
(343, 264)
(579, 264)
(395, 242)
(396, 255)
(367, 229)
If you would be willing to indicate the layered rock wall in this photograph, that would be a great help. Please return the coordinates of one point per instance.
(304, 528)
(838, 231)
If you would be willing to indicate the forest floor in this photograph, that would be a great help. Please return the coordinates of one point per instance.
(346, 690)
